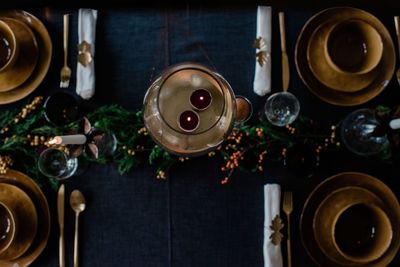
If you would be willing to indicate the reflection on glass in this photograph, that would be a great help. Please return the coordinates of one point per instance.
(56, 163)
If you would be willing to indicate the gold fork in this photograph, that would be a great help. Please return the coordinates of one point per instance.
(65, 70)
(288, 208)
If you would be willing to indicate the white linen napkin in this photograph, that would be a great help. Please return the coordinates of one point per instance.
(272, 201)
(262, 74)
(85, 75)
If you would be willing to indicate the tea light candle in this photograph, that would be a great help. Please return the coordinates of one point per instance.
(75, 139)
(188, 121)
(200, 99)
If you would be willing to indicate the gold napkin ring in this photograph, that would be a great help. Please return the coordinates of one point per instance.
(84, 53)
(262, 56)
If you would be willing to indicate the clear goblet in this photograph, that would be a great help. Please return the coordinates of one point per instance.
(282, 108)
(55, 163)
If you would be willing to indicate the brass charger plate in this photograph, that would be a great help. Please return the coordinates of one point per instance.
(391, 207)
(43, 63)
(27, 57)
(341, 81)
(385, 69)
(26, 219)
(42, 208)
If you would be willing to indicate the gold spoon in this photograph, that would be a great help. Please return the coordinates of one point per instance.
(397, 24)
(77, 201)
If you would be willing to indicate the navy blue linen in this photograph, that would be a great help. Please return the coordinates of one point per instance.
(189, 220)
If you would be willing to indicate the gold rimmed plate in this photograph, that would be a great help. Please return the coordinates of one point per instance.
(43, 62)
(27, 57)
(43, 214)
(327, 75)
(384, 72)
(375, 186)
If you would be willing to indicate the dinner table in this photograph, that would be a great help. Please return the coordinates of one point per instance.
(190, 218)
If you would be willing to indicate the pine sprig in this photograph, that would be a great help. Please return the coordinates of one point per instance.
(245, 149)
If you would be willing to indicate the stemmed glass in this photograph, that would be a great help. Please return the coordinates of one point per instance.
(282, 108)
(61, 108)
(56, 163)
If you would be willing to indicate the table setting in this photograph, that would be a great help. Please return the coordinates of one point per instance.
(169, 137)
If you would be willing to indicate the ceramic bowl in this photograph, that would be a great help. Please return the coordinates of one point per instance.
(353, 46)
(24, 213)
(8, 226)
(8, 46)
(350, 226)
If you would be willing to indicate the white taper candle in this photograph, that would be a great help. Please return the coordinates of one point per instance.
(75, 139)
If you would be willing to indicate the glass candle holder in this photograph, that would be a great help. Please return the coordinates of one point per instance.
(244, 110)
(55, 163)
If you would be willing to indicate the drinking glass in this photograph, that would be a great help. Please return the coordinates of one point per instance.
(282, 108)
(361, 134)
(55, 163)
(61, 108)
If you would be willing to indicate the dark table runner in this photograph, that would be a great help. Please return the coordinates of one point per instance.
(190, 219)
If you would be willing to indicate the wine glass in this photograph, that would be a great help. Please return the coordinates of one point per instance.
(282, 108)
(362, 133)
(56, 163)
(61, 108)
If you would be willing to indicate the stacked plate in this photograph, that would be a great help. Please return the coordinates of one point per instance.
(351, 219)
(33, 59)
(345, 56)
(24, 220)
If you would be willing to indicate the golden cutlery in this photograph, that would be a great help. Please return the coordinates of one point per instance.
(60, 209)
(397, 24)
(78, 204)
(285, 59)
(65, 70)
(288, 208)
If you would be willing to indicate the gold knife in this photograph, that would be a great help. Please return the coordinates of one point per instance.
(285, 59)
(60, 209)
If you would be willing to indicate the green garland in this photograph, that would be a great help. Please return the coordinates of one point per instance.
(23, 136)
